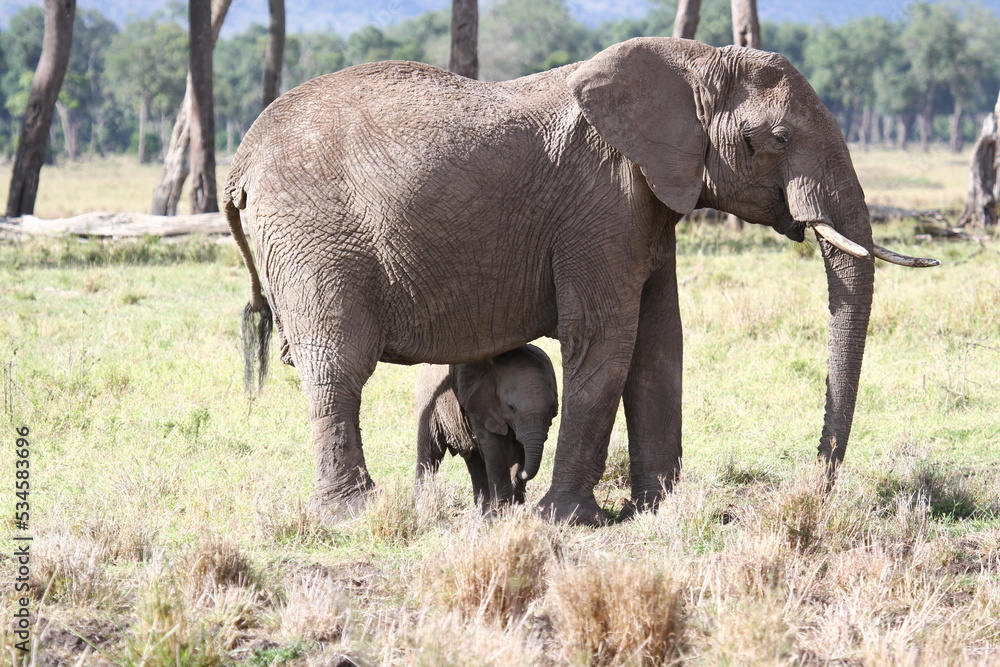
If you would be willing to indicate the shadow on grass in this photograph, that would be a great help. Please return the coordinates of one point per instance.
(950, 493)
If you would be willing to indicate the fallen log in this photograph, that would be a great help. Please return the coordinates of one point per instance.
(928, 231)
(117, 225)
(878, 213)
(883, 213)
(101, 224)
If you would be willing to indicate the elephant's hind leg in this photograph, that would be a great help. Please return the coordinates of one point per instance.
(342, 478)
(652, 396)
(335, 354)
(480, 480)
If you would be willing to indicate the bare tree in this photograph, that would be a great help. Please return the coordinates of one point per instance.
(984, 183)
(955, 126)
(746, 27)
(686, 22)
(45, 85)
(746, 32)
(202, 118)
(464, 38)
(275, 50)
(176, 162)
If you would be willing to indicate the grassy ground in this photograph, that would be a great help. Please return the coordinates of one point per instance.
(117, 183)
(168, 510)
(913, 179)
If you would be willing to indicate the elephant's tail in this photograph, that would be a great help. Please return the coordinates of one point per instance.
(257, 318)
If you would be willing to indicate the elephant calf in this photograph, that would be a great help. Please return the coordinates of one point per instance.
(495, 414)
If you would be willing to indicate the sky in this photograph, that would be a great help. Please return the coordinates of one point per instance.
(346, 16)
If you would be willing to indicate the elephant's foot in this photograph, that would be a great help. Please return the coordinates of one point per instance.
(333, 506)
(647, 502)
(579, 509)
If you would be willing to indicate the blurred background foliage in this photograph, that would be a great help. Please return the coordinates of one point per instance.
(927, 76)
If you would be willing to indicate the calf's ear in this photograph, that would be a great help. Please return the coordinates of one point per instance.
(476, 388)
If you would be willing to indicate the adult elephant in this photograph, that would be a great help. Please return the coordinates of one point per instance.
(402, 213)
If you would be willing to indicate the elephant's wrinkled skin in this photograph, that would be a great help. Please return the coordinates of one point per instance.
(495, 414)
(402, 213)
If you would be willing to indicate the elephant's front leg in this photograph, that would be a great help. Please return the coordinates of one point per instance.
(496, 452)
(652, 395)
(596, 349)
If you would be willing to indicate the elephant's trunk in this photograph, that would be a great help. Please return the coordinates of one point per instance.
(534, 444)
(850, 280)
(834, 203)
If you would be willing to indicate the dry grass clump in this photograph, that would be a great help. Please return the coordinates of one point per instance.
(74, 571)
(809, 513)
(751, 631)
(431, 640)
(126, 537)
(295, 525)
(493, 571)
(221, 586)
(165, 632)
(881, 608)
(610, 613)
(315, 608)
(217, 563)
(400, 512)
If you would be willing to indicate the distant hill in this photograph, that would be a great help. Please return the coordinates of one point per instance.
(345, 16)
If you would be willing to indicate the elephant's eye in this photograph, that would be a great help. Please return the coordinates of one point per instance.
(781, 135)
(511, 407)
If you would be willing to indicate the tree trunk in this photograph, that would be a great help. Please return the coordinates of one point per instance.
(464, 38)
(746, 28)
(865, 130)
(686, 22)
(56, 44)
(143, 114)
(926, 121)
(984, 182)
(848, 120)
(202, 120)
(71, 130)
(163, 128)
(746, 32)
(275, 51)
(176, 164)
(903, 131)
(956, 139)
(996, 161)
(926, 130)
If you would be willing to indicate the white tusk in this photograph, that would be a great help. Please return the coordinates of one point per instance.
(839, 240)
(904, 260)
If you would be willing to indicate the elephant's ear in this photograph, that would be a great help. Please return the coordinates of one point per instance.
(637, 97)
(476, 387)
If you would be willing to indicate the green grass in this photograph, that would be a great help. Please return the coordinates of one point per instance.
(147, 460)
(913, 179)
